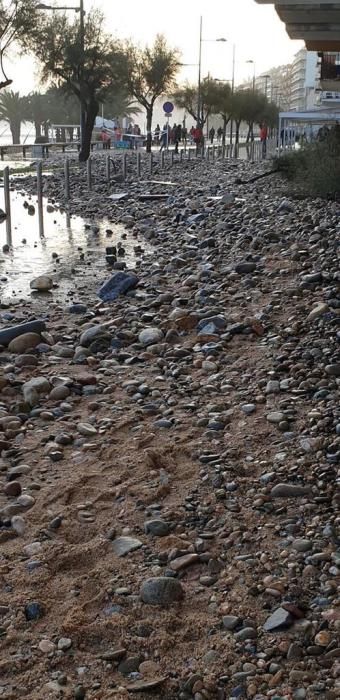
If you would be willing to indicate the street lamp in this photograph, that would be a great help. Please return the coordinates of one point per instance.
(79, 8)
(254, 74)
(199, 96)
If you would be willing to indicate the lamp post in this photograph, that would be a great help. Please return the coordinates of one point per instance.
(80, 9)
(199, 92)
(254, 74)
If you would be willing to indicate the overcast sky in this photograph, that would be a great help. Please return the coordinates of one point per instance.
(255, 29)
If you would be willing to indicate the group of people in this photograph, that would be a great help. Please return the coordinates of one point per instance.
(170, 136)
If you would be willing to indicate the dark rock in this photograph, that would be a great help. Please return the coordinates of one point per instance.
(161, 591)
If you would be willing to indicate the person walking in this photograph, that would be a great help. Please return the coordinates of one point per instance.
(178, 136)
(212, 135)
(219, 134)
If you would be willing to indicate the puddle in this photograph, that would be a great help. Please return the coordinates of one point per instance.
(81, 252)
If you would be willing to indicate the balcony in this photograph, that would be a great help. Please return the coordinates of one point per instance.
(317, 22)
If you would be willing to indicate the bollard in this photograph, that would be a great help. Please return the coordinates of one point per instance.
(7, 207)
(172, 158)
(224, 151)
(89, 173)
(162, 160)
(138, 160)
(181, 155)
(213, 152)
(151, 164)
(124, 165)
(108, 169)
(40, 198)
(67, 178)
(189, 153)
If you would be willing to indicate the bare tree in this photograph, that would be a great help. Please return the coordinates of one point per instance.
(151, 72)
(17, 18)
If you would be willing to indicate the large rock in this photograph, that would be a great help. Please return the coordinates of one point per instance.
(150, 336)
(289, 491)
(124, 545)
(7, 334)
(92, 334)
(42, 284)
(34, 388)
(161, 591)
(119, 283)
(24, 342)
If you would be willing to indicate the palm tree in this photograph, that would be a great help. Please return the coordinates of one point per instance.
(13, 110)
(121, 104)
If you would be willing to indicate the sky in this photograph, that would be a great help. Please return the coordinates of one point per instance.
(256, 31)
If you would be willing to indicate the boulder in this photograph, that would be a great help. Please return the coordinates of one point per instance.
(42, 284)
(24, 342)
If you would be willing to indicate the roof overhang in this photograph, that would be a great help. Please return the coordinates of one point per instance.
(317, 22)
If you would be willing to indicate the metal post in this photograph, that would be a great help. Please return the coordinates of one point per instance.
(81, 71)
(89, 173)
(151, 163)
(40, 198)
(7, 207)
(124, 166)
(67, 178)
(208, 152)
(189, 153)
(108, 170)
(162, 160)
(172, 158)
(199, 76)
(138, 164)
(213, 152)
(181, 155)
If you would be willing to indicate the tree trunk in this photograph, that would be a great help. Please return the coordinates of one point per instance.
(92, 109)
(15, 130)
(149, 113)
(37, 127)
(225, 124)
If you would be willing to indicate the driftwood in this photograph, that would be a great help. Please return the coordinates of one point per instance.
(254, 179)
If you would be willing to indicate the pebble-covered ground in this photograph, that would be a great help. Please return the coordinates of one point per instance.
(168, 514)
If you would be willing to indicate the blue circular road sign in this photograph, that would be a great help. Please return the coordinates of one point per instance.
(168, 107)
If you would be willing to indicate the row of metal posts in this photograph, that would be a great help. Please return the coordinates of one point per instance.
(255, 153)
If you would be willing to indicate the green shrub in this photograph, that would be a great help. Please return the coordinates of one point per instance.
(315, 169)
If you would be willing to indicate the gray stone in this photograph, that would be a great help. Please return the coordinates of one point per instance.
(124, 545)
(91, 334)
(302, 545)
(158, 528)
(150, 336)
(248, 408)
(87, 429)
(244, 268)
(275, 417)
(289, 491)
(34, 388)
(230, 621)
(161, 591)
(333, 370)
(246, 633)
(129, 665)
(317, 311)
(280, 619)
